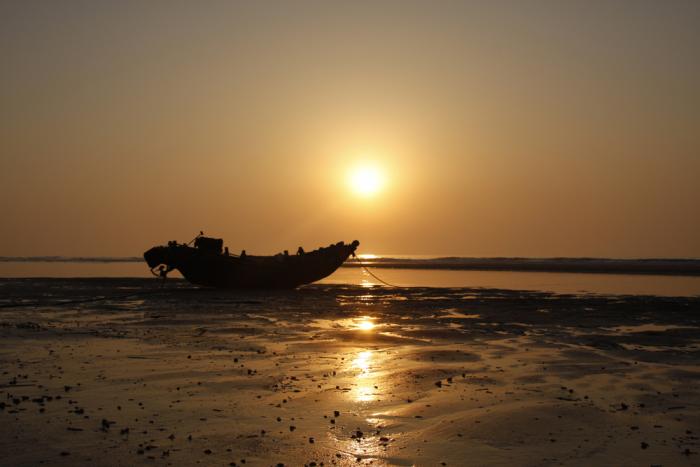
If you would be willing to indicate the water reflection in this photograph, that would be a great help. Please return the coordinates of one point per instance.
(366, 280)
(555, 282)
(363, 362)
(367, 371)
(367, 378)
(365, 323)
(367, 256)
(366, 367)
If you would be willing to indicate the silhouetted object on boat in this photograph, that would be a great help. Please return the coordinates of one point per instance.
(211, 245)
(205, 264)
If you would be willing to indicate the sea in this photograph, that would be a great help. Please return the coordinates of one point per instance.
(422, 271)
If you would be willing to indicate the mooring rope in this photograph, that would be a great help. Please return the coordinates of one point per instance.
(366, 269)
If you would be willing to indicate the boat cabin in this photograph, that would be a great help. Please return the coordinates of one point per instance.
(209, 245)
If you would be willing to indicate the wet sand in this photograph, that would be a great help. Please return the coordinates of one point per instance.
(344, 375)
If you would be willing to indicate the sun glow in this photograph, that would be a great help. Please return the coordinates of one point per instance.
(365, 325)
(366, 180)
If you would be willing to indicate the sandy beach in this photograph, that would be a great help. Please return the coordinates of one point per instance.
(344, 375)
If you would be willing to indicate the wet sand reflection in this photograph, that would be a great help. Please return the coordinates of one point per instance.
(350, 376)
(366, 378)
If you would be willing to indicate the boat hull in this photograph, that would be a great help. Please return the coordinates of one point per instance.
(235, 272)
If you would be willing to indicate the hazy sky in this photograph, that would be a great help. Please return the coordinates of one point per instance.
(503, 128)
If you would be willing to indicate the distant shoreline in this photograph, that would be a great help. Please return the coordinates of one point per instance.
(651, 266)
(71, 259)
(666, 267)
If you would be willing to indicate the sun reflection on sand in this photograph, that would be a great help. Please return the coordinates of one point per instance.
(366, 366)
(367, 373)
(365, 324)
(363, 362)
(367, 379)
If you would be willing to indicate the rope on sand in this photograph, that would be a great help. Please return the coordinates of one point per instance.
(366, 269)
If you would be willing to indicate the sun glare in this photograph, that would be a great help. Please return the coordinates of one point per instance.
(365, 325)
(366, 180)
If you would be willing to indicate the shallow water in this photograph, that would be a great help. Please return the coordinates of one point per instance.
(567, 283)
(545, 281)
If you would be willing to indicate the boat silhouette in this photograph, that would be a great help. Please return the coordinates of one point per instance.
(207, 264)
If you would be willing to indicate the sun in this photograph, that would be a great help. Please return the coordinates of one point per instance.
(366, 180)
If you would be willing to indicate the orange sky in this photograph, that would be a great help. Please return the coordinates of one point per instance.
(504, 128)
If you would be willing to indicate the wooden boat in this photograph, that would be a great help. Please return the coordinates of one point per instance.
(207, 265)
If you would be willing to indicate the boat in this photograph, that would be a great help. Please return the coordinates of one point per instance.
(207, 264)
